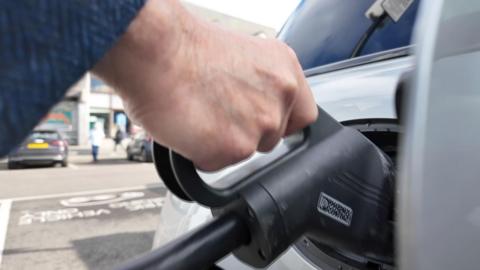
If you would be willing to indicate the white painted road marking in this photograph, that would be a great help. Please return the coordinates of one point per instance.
(143, 204)
(5, 206)
(71, 194)
(58, 215)
(79, 201)
(73, 166)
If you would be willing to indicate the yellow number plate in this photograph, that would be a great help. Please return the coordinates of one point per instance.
(37, 145)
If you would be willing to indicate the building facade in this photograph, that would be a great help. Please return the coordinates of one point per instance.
(106, 109)
(70, 116)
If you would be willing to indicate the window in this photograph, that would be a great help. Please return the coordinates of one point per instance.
(45, 135)
(392, 35)
(96, 83)
(326, 31)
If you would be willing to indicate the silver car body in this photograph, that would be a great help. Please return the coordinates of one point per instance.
(439, 205)
(358, 89)
(439, 180)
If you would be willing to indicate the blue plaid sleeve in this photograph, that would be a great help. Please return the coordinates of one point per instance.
(45, 47)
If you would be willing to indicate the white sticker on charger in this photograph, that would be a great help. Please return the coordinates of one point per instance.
(335, 209)
(396, 8)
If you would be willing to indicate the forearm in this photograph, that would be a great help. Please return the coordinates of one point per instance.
(148, 47)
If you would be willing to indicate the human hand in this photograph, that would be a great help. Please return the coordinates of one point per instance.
(211, 95)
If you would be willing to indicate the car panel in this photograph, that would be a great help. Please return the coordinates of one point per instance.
(136, 143)
(141, 141)
(362, 92)
(38, 159)
(38, 152)
(439, 206)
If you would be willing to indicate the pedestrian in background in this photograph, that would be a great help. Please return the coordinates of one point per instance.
(119, 136)
(96, 136)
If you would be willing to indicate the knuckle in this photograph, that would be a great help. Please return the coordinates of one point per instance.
(270, 122)
(309, 117)
(268, 144)
(214, 161)
(226, 152)
(313, 115)
(242, 151)
(288, 86)
(206, 166)
(291, 53)
(285, 82)
(288, 51)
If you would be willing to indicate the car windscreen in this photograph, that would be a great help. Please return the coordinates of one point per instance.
(45, 135)
(327, 31)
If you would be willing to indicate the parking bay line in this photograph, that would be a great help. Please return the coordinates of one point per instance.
(5, 206)
(80, 193)
(73, 166)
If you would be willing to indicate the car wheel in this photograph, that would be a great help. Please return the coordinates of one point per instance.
(12, 165)
(129, 155)
(65, 163)
(144, 155)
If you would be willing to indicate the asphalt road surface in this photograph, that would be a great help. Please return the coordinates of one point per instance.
(86, 216)
(77, 177)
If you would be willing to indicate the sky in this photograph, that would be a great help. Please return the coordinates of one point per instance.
(272, 13)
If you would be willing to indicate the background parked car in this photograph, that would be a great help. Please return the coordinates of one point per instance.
(140, 147)
(42, 147)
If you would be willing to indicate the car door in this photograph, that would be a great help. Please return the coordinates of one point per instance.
(138, 142)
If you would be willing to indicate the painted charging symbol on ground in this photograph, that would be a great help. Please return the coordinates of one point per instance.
(84, 230)
(93, 206)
